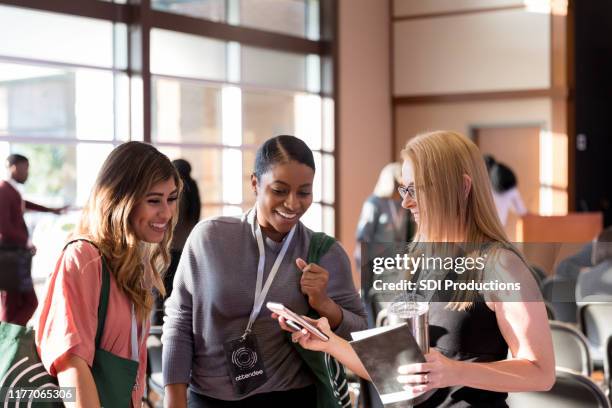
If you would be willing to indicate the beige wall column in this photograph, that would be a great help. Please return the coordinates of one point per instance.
(364, 115)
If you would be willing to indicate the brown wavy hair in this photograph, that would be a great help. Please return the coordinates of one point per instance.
(127, 175)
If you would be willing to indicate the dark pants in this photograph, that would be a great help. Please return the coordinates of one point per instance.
(17, 307)
(298, 398)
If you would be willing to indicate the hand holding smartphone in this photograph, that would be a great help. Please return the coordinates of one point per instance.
(294, 320)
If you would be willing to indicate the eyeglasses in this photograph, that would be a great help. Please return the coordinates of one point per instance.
(409, 191)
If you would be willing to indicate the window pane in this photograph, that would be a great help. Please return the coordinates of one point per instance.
(187, 55)
(273, 68)
(51, 102)
(205, 169)
(89, 159)
(59, 37)
(308, 119)
(328, 220)
(232, 176)
(266, 114)
(328, 125)
(248, 165)
(327, 171)
(318, 179)
(284, 16)
(186, 112)
(52, 176)
(209, 9)
(313, 218)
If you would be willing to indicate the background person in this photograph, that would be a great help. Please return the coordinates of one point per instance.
(17, 306)
(213, 301)
(506, 195)
(188, 216)
(128, 220)
(382, 217)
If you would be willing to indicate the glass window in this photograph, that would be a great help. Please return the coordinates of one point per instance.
(329, 220)
(327, 180)
(313, 218)
(39, 101)
(298, 18)
(248, 166)
(52, 176)
(283, 16)
(328, 125)
(308, 119)
(208, 9)
(207, 167)
(266, 114)
(186, 112)
(55, 37)
(318, 179)
(187, 55)
(274, 69)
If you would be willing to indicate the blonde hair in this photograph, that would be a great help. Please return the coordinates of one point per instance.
(127, 175)
(440, 162)
(388, 180)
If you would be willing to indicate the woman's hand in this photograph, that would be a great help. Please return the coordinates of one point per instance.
(305, 338)
(438, 372)
(313, 283)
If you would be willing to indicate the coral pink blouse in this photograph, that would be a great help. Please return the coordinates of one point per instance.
(69, 315)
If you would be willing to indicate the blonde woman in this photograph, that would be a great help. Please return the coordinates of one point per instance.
(94, 319)
(446, 188)
(382, 218)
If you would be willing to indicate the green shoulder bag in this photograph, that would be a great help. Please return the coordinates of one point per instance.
(331, 381)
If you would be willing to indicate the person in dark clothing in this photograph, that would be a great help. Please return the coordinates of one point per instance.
(445, 186)
(189, 215)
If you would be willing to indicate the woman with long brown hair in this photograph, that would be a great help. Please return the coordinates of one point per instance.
(446, 187)
(94, 319)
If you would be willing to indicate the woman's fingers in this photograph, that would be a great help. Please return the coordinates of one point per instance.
(283, 325)
(413, 379)
(414, 368)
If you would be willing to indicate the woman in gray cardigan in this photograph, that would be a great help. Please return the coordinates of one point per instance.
(220, 348)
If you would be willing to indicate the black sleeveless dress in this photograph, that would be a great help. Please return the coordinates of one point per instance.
(471, 335)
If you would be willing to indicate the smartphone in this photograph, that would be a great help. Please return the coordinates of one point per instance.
(295, 319)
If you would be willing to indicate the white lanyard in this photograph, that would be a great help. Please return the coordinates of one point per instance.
(260, 293)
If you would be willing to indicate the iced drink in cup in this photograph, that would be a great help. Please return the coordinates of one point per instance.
(415, 315)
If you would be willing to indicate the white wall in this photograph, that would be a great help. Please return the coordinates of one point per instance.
(493, 51)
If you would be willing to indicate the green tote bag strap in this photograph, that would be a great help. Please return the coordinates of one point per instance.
(331, 381)
(114, 376)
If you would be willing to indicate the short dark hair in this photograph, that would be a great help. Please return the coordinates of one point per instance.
(282, 149)
(183, 167)
(502, 177)
(14, 159)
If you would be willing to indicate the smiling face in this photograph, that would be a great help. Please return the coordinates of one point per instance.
(284, 193)
(151, 217)
(408, 202)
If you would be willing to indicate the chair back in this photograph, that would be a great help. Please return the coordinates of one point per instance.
(571, 390)
(571, 348)
(560, 293)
